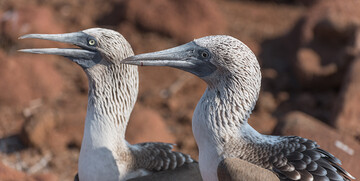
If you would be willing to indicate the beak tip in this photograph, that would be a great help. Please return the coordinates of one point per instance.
(24, 51)
(23, 37)
(36, 36)
(35, 51)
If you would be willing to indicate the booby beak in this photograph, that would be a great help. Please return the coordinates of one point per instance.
(77, 38)
(189, 57)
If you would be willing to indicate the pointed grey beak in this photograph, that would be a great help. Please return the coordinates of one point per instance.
(188, 57)
(66, 52)
(77, 38)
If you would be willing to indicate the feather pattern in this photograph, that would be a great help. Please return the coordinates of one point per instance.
(308, 163)
(157, 156)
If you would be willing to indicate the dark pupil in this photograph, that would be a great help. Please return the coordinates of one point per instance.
(204, 54)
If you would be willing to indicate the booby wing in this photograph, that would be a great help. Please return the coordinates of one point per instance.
(156, 156)
(302, 159)
(188, 172)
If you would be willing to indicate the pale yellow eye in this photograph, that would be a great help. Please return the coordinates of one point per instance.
(91, 42)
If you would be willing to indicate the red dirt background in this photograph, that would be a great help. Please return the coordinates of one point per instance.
(308, 51)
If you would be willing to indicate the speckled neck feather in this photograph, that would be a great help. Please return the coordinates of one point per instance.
(112, 94)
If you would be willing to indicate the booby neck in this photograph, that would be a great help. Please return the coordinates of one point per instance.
(112, 94)
(104, 153)
(227, 103)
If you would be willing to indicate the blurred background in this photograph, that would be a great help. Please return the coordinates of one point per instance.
(308, 51)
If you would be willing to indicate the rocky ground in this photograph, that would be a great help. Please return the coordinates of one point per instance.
(308, 50)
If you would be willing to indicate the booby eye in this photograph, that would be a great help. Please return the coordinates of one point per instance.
(205, 54)
(91, 42)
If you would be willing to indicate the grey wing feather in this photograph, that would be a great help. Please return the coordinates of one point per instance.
(188, 172)
(156, 156)
(302, 159)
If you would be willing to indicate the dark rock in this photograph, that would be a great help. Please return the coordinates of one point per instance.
(309, 70)
(347, 110)
(328, 43)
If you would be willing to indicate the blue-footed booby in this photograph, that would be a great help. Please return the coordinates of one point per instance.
(220, 120)
(113, 88)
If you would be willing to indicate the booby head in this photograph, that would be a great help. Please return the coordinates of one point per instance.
(96, 46)
(212, 58)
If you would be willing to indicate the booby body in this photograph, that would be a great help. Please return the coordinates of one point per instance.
(220, 126)
(231, 169)
(113, 88)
